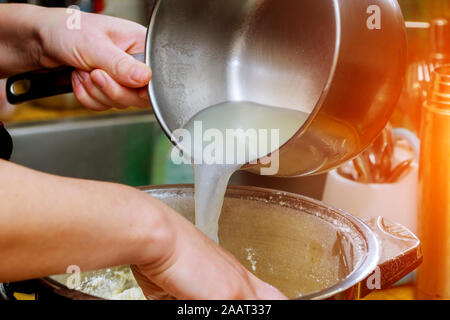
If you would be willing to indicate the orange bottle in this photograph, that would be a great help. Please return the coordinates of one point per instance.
(434, 201)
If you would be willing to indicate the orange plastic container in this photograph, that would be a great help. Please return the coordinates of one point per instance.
(434, 203)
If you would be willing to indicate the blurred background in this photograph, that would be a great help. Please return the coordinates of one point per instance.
(57, 135)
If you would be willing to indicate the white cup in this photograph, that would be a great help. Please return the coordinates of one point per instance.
(395, 201)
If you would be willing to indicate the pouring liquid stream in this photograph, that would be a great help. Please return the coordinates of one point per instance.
(234, 134)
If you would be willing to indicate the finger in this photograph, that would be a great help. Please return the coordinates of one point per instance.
(194, 267)
(208, 272)
(106, 88)
(83, 96)
(265, 291)
(94, 92)
(143, 93)
(130, 36)
(151, 290)
(122, 67)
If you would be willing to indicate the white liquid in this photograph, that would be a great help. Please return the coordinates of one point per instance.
(211, 180)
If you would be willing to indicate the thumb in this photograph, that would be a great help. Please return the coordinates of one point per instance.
(122, 67)
(151, 291)
(265, 291)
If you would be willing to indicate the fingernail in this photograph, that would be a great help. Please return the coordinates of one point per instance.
(139, 74)
(83, 76)
(272, 293)
(143, 93)
(76, 78)
(99, 79)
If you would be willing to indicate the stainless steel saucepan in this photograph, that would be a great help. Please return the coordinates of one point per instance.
(341, 61)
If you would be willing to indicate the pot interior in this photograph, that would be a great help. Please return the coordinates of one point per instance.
(203, 54)
(296, 244)
(300, 246)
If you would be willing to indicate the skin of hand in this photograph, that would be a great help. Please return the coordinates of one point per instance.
(106, 75)
(48, 223)
(195, 267)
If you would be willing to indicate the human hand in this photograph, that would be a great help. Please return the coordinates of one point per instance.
(191, 266)
(106, 75)
(113, 225)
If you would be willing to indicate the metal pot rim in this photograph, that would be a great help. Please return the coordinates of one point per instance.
(361, 271)
(314, 112)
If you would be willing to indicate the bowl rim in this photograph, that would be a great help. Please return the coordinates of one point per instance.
(361, 271)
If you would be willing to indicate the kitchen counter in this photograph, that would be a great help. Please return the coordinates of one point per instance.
(30, 113)
(397, 293)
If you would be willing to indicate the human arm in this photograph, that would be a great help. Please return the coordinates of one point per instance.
(48, 223)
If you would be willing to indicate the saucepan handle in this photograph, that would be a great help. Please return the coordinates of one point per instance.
(39, 84)
(401, 253)
(43, 83)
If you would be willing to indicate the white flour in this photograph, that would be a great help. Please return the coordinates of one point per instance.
(111, 284)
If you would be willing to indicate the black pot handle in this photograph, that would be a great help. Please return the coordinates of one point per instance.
(39, 84)
(43, 83)
(8, 290)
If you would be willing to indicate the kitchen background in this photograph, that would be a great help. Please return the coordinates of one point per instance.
(128, 146)
(141, 153)
(58, 136)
